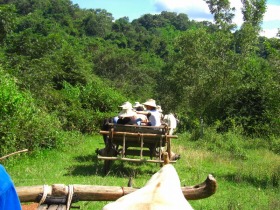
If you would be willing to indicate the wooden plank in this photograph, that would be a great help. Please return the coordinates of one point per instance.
(132, 160)
(141, 147)
(123, 146)
(138, 134)
(136, 151)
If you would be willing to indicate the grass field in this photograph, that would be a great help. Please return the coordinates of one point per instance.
(247, 177)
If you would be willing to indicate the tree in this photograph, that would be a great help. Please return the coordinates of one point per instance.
(247, 37)
(223, 13)
(97, 23)
(198, 72)
(7, 20)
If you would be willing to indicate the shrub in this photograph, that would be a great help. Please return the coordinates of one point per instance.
(22, 123)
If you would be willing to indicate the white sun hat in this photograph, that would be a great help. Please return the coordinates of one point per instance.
(150, 102)
(126, 105)
(127, 113)
(137, 104)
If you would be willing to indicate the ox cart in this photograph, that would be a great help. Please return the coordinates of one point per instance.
(135, 143)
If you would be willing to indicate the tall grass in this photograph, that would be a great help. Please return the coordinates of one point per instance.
(247, 177)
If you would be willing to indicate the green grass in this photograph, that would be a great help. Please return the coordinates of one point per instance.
(249, 181)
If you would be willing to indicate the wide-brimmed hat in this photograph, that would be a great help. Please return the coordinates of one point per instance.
(159, 108)
(126, 105)
(137, 104)
(127, 113)
(150, 102)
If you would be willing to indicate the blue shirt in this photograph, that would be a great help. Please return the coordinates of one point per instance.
(115, 119)
(8, 196)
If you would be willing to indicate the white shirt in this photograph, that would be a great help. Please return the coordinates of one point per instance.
(155, 118)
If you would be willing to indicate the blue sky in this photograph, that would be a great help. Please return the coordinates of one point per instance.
(195, 9)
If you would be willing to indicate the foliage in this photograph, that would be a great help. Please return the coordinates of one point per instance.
(223, 13)
(76, 66)
(23, 124)
(7, 20)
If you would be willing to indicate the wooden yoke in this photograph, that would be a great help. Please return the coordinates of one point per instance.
(107, 193)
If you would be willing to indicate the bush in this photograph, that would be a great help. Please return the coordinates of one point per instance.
(83, 108)
(22, 123)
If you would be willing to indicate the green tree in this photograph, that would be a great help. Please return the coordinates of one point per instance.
(247, 37)
(97, 23)
(127, 70)
(7, 20)
(223, 13)
(198, 73)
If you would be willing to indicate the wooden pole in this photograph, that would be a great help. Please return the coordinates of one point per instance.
(111, 193)
(137, 134)
(133, 160)
(14, 153)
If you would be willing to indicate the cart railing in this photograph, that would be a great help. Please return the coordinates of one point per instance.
(133, 139)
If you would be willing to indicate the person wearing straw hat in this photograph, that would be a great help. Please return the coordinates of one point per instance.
(125, 106)
(152, 112)
(130, 117)
(155, 120)
(138, 107)
(126, 117)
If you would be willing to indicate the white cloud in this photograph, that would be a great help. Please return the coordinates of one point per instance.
(272, 13)
(195, 9)
(238, 18)
(198, 10)
(183, 5)
(269, 33)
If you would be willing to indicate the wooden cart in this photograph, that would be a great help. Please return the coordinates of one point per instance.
(135, 143)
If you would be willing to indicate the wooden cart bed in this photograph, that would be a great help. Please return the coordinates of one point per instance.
(135, 140)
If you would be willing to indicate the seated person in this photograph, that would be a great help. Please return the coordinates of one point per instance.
(138, 107)
(152, 113)
(125, 106)
(130, 117)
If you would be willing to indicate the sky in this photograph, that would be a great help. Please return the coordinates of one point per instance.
(195, 9)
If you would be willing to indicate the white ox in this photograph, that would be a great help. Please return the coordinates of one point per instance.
(171, 121)
(162, 192)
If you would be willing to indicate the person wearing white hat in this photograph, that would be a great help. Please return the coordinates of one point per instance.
(138, 107)
(130, 117)
(155, 119)
(152, 112)
(126, 105)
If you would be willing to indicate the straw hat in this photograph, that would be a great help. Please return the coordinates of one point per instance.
(126, 105)
(159, 108)
(127, 113)
(137, 104)
(150, 102)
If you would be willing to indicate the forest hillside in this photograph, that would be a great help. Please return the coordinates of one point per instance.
(64, 69)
